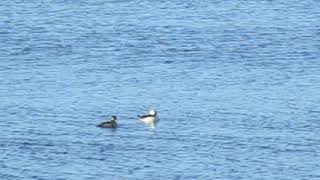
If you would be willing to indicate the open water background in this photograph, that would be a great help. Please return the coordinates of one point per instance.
(236, 85)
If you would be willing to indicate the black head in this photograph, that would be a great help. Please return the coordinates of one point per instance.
(113, 118)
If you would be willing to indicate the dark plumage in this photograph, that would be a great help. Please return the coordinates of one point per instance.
(144, 116)
(109, 124)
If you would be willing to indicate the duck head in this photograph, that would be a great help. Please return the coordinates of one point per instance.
(152, 112)
(113, 118)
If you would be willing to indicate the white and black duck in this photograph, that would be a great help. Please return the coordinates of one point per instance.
(151, 117)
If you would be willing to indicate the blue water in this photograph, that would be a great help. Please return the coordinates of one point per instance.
(236, 85)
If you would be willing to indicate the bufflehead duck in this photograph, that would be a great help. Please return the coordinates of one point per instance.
(150, 118)
(109, 124)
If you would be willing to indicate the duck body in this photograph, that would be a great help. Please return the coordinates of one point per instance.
(150, 118)
(109, 124)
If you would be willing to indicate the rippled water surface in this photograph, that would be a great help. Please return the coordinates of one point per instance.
(236, 85)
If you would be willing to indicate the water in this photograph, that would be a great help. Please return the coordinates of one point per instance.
(236, 85)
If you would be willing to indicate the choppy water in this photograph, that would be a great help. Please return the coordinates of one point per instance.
(236, 84)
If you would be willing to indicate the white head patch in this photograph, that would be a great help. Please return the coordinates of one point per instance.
(152, 112)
